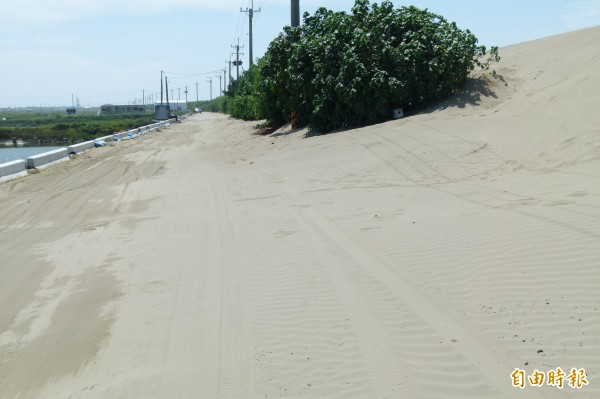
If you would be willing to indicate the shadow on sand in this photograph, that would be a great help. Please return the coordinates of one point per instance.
(471, 94)
(288, 132)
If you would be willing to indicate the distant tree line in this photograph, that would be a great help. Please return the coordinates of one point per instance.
(62, 128)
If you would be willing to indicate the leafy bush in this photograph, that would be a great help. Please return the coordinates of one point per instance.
(345, 70)
(247, 103)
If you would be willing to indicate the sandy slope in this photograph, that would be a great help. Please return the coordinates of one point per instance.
(422, 258)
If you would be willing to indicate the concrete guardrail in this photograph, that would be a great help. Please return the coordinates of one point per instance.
(140, 131)
(19, 167)
(81, 147)
(118, 136)
(47, 158)
(10, 170)
(105, 138)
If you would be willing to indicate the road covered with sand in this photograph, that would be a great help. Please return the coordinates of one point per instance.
(428, 257)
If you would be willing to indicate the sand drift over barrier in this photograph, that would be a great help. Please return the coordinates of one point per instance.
(18, 168)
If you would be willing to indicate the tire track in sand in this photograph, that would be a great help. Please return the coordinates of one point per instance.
(231, 368)
(339, 249)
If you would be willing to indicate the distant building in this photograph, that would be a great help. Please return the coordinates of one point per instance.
(109, 109)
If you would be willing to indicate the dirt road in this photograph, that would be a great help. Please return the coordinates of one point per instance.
(207, 262)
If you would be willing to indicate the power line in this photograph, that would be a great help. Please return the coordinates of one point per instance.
(239, 29)
(181, 75)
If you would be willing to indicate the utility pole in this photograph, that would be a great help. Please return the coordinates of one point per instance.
(197, 92)
(220, 82)
(230, 77)
(167, 92)
(250, 11)
(224, 80)
(144, 97)
(237, 61)
(295, 13)
(179, 94)
(161, 87)
(210, 81)
(186, 92)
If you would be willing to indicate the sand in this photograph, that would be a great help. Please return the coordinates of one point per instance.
(422, 258)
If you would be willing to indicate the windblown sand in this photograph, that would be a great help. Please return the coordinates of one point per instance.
(422, 258)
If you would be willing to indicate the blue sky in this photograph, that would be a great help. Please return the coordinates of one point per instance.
(109, 51)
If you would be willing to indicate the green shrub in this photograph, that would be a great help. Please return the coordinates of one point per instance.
(246, 103)
(346, 70)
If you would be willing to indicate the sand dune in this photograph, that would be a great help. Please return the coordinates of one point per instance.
(422, 258)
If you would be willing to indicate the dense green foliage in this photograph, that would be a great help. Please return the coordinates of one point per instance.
(246, 103)
(345, 70)
(241, 100)
(59, 127)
